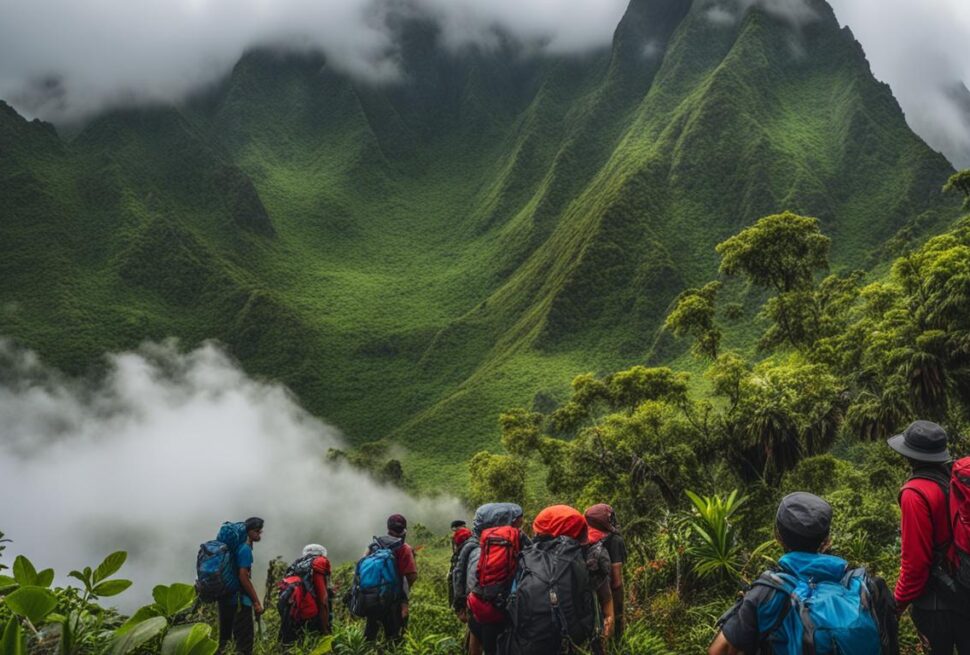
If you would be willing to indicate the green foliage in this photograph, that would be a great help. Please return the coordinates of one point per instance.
(73, 616)
(26, 575)
(131, 640)
(31, 603)
(960, 183)
(693, 315)
(95, 583)
(12, 640)
(499, 478)
(716, 551)
(189, 639)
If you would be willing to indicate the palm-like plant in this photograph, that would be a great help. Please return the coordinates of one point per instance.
(715, 550)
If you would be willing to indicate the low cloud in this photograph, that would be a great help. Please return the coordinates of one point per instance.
(64, 60)
(154, 455)
(728, 12)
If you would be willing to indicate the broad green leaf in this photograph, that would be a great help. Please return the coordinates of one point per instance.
(130, 641)
(33, 603)
(324, 647)
(7, 583)
(189, 639)
(174, 598)
(45, 578)
(143, 614)
(110, 588)
(24, 571)
(109, 566)
(12, 641)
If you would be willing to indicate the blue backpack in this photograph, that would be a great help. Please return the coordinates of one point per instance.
(377, 584)
(215, 564)
(830, 609)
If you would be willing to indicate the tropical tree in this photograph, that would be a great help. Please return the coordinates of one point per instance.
(781, 253)
(693, 315)
(960, 182)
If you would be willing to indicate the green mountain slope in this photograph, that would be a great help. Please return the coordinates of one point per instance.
(413, 258)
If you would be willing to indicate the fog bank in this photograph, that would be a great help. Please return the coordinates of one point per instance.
(154, 455)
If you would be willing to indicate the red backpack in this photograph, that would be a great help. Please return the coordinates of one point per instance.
(960, 520)
(497, 563)
(297, 596)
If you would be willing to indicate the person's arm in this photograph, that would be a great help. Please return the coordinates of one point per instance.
(606, 603)
(722, 646)
(246, 580)
(916, 552)
(616, 576)
(409, 568)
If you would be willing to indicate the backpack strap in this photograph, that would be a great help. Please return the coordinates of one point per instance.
(785, 584)
(782, 583)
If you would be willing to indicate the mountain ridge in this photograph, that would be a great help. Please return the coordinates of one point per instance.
(412, 259)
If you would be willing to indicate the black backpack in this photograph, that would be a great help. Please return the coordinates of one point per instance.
(459, 574)
(552, 602)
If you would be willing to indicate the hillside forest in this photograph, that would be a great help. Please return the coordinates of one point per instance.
(695, 470)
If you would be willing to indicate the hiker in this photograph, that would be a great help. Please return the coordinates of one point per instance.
(389, 608)
(466, 575)
(236, 609)
(852, 613)
(602, 518)
(491, 570)
(305, 597)
(939, 607)
(552, 610)
(600, 566)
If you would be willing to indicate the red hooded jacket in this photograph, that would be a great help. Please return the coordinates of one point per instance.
(925, 526)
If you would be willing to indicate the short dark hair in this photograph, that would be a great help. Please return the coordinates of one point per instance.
(254, 523)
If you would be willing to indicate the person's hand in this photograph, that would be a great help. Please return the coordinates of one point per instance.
(404, 611)
(901, 609)
(608, 626)
(257, 607)
(463, 615)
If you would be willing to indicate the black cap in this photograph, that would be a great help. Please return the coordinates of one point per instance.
(396, 523)
(803, 521)
(923, 441)
(457, 523)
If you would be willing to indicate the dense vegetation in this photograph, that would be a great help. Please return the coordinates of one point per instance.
(694, 470)
(843, 362)
(466, 240)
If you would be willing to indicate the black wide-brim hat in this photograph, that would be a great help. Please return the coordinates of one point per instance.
(923, 441)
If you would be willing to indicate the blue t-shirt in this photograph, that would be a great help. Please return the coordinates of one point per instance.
(244, 560)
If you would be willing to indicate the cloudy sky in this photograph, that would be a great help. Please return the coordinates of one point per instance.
(64, 58)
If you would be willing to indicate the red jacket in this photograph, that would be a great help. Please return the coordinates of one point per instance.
(925, 525)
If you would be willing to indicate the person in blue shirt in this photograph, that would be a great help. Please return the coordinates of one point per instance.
(755, 625)
(236, 610)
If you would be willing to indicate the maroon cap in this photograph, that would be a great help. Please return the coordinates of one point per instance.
(397, 522)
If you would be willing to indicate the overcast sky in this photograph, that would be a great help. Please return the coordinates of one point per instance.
(81, 55)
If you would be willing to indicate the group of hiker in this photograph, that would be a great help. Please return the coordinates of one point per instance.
(560, 590)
